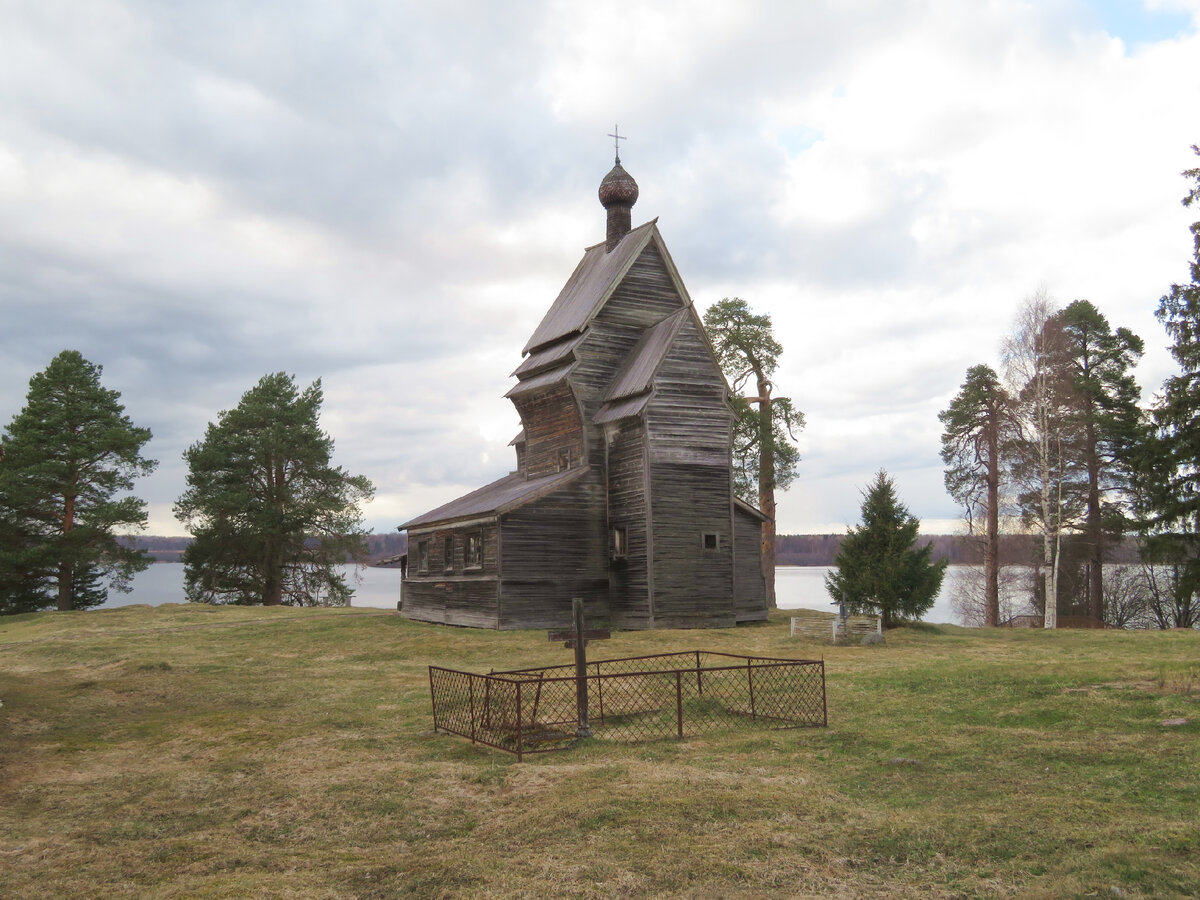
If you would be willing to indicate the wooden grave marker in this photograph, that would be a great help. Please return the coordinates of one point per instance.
(577, 640)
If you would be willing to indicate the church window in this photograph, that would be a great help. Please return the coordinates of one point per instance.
(620, 542)
(423, 557)
(474, 551)
(711, 541)
(564, 459)
(448, 555)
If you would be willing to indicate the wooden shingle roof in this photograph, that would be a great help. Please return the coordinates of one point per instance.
(509, 492)
(636, 374)
(594, 279)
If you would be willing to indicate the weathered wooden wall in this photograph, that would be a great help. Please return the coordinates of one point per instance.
(550, 416)
(453, 595)
(749, 586)
(551, 550)
(629, 596)
(689, 427)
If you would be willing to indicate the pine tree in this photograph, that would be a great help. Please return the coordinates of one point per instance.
(979, 426)
(1097, 361)
(880, 569)
(65, 461)
(271, 518)
(764, 450)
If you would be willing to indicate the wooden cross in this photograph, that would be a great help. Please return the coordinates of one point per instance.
(577, 640)
(617, 136)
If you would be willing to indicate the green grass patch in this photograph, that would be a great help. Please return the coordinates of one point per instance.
(185, 751)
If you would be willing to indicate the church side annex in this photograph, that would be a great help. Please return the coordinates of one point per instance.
(623, 491)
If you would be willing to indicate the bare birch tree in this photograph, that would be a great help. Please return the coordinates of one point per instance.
(1040, 460)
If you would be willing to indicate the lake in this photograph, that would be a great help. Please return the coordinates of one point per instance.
(796, 587)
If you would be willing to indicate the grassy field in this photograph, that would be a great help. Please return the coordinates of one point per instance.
(202, 752)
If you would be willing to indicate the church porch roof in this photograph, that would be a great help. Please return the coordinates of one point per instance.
(502, 495)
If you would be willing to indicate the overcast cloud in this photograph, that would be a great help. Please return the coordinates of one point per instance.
(388, 195)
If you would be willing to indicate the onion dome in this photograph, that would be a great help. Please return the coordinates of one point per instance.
(618, 192)
(618, 187)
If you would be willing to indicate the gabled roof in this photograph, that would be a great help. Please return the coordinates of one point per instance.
(541, 380)
(593, 281)
(500, 496)
(636, 374)
(742, 506)
(548, 357)
(621, 409)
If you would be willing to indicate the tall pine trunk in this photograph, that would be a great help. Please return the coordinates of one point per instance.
(1095, 532)
(991, 548)
(66, 571)
(66, 587)
(766, 484)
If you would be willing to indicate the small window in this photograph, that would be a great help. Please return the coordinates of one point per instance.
(564, 459)
(423, 557)
(474, 553)
(712, 541)
(620, 542)
(448, 554)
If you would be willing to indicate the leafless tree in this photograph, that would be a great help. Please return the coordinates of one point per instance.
(969, 595)
(1039, 458)
(1126, 597)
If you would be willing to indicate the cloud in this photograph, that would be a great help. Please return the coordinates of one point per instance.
(389, 195)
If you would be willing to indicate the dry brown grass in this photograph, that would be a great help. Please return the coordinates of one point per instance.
(195, 752)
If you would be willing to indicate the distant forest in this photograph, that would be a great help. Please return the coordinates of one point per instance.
(790, 549)
(170, 549)
(1015, 549)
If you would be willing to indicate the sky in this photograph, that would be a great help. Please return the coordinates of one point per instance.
(387, 196)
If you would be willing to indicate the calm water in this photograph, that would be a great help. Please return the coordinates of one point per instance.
(796, 587)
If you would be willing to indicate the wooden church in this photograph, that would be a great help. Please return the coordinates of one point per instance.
(623, 491)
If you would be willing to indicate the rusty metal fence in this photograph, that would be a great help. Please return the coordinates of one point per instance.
(630, 699)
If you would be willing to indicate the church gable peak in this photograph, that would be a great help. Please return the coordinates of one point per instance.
(595, 278)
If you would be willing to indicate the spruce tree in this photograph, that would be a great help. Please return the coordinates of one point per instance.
(1171, 456)
(272, 519)
(66, 461)
(880, 568)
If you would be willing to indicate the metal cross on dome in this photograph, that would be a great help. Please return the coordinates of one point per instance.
(617, 136)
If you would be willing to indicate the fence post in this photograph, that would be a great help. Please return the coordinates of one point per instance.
(824, 702)
(433, 699)
(699, 677)
(471, 694)
(537, 699)
(487, 704)
(519, 748)
(600, 692)
(679, 702)
(750, 682)
(581, 680)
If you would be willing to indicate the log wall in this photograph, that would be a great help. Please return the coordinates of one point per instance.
(689, 429)
(449, 592)
(749, 586)
(552, 425)
(551, 550)
(629, 594)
